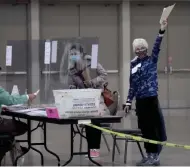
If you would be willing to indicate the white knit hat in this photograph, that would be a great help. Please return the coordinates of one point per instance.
(139, 43)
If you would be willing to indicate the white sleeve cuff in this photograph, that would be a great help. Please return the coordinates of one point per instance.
(160, 35)
(128, 104)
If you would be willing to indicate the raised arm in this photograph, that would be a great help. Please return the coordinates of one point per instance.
(156, 47)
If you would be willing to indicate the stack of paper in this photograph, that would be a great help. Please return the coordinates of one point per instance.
(38, 113)
(15, 107)
(25, 110)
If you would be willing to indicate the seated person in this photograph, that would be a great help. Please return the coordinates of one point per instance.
(9, 126)
(79, 75)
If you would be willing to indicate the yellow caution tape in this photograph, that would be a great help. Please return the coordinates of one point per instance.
(138, 138)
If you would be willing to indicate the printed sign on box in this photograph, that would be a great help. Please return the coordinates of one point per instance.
(77, 102)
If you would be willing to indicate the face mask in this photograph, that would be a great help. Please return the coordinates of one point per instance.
(75, 57)
(141, 53)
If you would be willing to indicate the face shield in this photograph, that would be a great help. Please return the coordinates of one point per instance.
(72, 61)
(76, 52)
(140, 47)
(74, 55)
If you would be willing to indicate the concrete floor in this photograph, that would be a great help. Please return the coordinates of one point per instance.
(177, 125)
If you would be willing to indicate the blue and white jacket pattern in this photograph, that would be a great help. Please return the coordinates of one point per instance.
(143, 74)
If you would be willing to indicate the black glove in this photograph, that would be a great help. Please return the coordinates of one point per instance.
(127, 107)
(161, 31)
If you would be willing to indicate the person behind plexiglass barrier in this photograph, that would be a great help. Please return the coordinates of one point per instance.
(144, 87)
(76, 73)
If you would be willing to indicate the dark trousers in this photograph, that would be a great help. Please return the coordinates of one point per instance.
(9, 128)
(5, 146)
(12, 127)
(93, 137)
(151, 122)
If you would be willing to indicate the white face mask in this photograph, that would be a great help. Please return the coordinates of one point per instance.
(74, 55)
(75, 58)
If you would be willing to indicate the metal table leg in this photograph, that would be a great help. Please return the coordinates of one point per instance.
(28, 140)
(96, 163)
(72, 141)
(29, 131)
(80, 153)
(41, 155)
(72, 153)
(45, 144)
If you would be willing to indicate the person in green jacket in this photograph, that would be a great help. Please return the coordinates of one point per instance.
(7, 99)
(10, 126)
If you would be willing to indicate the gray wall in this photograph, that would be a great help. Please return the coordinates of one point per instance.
(111, 23)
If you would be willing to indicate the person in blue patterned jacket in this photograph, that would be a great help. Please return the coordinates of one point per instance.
(144, 87)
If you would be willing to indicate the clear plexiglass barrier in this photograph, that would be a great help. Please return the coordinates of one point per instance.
(59, 64)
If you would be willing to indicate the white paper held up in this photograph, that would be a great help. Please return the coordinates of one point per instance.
(47, 52)
(36, 93)
(8, 55)
(166, 12)
(54, 52)
(94, 54)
